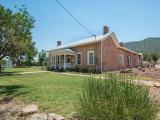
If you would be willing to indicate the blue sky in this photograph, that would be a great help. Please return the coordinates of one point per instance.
(131, 20)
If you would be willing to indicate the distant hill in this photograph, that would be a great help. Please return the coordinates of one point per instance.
(150, 44)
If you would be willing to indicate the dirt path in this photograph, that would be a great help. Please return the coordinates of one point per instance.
(150, 83)
(146, 72)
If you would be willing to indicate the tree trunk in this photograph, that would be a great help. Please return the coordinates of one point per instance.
(0, 68)
(18, 63)
(154, 64)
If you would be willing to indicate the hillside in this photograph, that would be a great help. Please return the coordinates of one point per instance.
(147, 45)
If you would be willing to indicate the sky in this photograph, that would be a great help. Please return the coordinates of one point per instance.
(131, 20)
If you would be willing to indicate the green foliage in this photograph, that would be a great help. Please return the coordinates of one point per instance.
(42, 58)
(30, 63)
(77, 69)
(151, 56)
(155, 57)
(147, 57)
(84, 70)
(94, 70)
(115, 99)
(61, 70)
(2, 63)
(151, 44)
(16, 34)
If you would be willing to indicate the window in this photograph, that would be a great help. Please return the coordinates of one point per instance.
(138, 61)
(90, 57)
(68, 60)
(130, 61)
(122, 59)
(79, 58)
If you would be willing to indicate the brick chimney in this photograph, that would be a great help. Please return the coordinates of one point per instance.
(121, 44)
(59, 43)
(105, 30)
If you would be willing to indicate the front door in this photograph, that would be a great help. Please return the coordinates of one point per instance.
(57, 62)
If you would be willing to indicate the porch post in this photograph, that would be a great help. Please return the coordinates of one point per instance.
(55, 60)
(64, 65)
(75, 60)
(59, 61)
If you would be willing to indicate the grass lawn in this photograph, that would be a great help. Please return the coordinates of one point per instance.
(53, 92)
(25, 69)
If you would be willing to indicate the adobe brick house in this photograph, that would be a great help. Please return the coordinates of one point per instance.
(103, 53)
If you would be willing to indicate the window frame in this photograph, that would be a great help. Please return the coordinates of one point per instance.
(122, 59)
(79, 53)
(130, 61)
(88, 57)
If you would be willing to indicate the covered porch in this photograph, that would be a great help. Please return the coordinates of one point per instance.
(64, 59)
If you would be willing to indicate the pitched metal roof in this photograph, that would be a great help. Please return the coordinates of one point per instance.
(83, 42)
(93, 40)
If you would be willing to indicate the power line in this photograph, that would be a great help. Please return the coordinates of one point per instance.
(83, 26)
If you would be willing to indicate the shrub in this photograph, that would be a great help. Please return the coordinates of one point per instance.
(84, 70)
(71, 69)
(61, 70)
(115, 99)
(155, 57)
(77, 69)
(93, 70)
(50, 68)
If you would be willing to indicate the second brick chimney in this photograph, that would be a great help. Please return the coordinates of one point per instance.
(105, 30)
(59, 43)
(121, 44)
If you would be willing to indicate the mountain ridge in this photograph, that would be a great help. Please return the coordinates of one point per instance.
(150, 44)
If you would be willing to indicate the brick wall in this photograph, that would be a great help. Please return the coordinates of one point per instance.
(96, 47)
(111, 56)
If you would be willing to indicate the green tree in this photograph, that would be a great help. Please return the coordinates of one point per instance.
(16, 34)
(155, 57)
(42, 58)
(147, 57)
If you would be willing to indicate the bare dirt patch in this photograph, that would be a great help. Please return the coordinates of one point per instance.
(148, 72)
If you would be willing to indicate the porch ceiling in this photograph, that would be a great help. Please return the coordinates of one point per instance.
(64, 51)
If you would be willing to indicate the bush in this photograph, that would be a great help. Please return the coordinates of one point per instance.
(71, 69)
(77, 69)
(50, 69)
(84, 70)
(155, 57)
(111, 99)
(94, 70)
(61, 70)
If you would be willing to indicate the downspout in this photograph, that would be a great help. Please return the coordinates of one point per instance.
(101, 56)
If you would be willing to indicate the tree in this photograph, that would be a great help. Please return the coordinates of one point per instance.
(155, 57)
(147, 57)
(16, 35)
(42, 58)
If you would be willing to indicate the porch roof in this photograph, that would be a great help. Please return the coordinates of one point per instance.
(65, 51)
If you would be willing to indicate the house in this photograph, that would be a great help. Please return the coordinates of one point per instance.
(103, 53)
